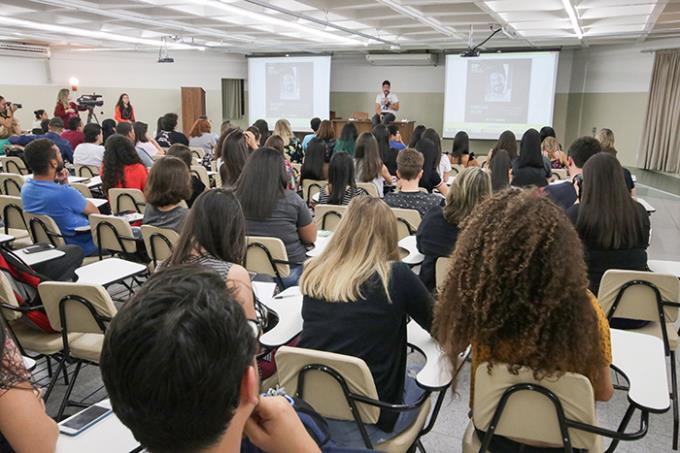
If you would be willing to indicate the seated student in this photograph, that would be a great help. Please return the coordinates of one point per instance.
(314, 124)
(6, 132)
(183, 153)
(262, 126)
(74, 133)
(347, 140)
(442, 163)
(501, 171)
(292, 148)
(108, 128)
(145, 145)
(438, 231)
(357, 296)
(233, 154)
(169, 184)
(395, 138)
(24, 425)
(326, 136)
(278, 143)
(614, 227)
(388, 155)
(606, 138)
(551, 149)
(528, 169)
(40, 116)
(91, 151)
(252, 138)
(313, 164)
(566, 193)
(368, 164)
(167, 135)
(128, 130)
(535, 310)
(460, 154)
(272, 210)
(417, 135)
(409, 171)
(56, 127)
(225, 412)
(342, 186)
(431, 179)
(121, 167)
(506, 141)
(48, 193)
(201, 136)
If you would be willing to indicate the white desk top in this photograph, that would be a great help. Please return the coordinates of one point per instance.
(31, 259)
(29, 363)
(94, 182)
(320, 244)
(315, 197)
(109, 435)
(98, 202)
(648, 207)
(71, 179)
(437, 372)
(414, 256)
(450, 180)
(665, 267)
(288, 307)
(641, 358)
(5, 238)
(264, 290)
(108, 271)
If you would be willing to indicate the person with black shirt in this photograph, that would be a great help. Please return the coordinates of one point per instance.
(528, 169)
(357, 296)
(341, 187)
(387, 153)
(437, 233)
(167, 135)
(409, 171)
(431, 179)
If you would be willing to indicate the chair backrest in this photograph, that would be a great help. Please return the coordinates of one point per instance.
(197, 152)
(636, 292)
(159, 242)
(77, 316)
(43, 229)
(370, 188)
(12, 212)
(8, 297)
(441, 271)
(530, 416)
(14, 164)
(127, 200)
(112, 233)
(202, 174)
(327, 216)
(11, 183)
(82, 188)
(408, 221)
(87, 171)
(264, 256)
(481, 160)
(321, 390)
(311, 187)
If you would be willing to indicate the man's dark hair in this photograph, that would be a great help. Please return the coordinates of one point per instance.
(56, 123)
(582, 149)
(386, 82)
(394, 130)
(74, 123)
(169, 121)
(91, 132)
(124, 128)
(173, 359)
(38, 154)
(315, 123)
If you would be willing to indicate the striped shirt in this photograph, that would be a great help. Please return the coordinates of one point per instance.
(350, 192)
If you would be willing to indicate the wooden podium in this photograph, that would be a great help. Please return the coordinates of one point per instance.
(193, 106)
(405, 127)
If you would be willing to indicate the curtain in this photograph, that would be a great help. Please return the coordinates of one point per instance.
(232, 99)
(661, 134)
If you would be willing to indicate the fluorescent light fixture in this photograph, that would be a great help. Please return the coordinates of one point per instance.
(571, 12)
(420, 17)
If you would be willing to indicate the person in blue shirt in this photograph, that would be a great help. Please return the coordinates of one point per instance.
(48, 193)
(315, 123)
(56, 127)
(395, 138)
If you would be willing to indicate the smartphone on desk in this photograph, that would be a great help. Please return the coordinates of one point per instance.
(37, 248)
(79, 422)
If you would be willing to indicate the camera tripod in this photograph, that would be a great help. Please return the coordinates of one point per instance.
(91, 116)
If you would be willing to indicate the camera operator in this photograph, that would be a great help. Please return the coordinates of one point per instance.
(65, 107)
(7, 112)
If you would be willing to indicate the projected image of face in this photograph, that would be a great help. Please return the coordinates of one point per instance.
(289, 90)
(498, 88)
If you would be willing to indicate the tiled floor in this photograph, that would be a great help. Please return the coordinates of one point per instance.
(448, 431)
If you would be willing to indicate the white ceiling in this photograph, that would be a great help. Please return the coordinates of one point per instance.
(249, 26)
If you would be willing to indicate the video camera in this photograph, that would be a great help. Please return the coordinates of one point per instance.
(90, 101)
(10, 105)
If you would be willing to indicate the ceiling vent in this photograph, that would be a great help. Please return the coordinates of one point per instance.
(403, 59)
(13, 49)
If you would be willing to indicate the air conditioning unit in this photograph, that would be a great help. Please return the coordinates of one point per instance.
(403, 59)
(13, 49)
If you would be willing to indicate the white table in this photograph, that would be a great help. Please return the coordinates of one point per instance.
(641, 359)
(450, 180)
(108, 435)
(71, 179)
(665, 267)
(108, 271)
(29, 363)
(288, 308)
(95, 181)
(648, 207)
(438, 371)
(6, 239)
(414, 256)
(320, 244)
(264, 290)
(98, 202)
(31, 259)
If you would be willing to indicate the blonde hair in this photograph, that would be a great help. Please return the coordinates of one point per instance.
(62, 97)
(471, 186)
(363, 245)
(282, 129)
(606, 138)
(551, 146)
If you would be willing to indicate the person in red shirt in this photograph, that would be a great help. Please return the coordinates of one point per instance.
(121, 167)
(124, 110)
(65, 108)
(74, 134)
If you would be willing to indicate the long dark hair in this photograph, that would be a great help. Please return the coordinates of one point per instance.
(547, 131)
(340, 176)
(608, 216)
(508, 142)
(367, 155)
(234, 155)
(429, 151)
(263, 127)
(530, 150)
(108, 128)
(262, 183)
(140, 131)
(125, 112)
(118, 153)
(312, 164)
(500, 165)
(461, 146)
(349, 133)
(382, 135)
(205, 228)
(417, 134)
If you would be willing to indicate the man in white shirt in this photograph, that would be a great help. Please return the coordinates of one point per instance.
(91, 152)
(386, 102)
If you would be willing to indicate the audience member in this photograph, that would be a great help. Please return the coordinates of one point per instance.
(291, 144)
(416, 135)
(528, 169)
(547, 132)
(127, 130)
(145, 144)
(460, 154)
(272, 210)
(201, 136)
(357, 297)
(65, 108)
(124, 112)
(226, 125)
(263, 127)
(122, 167)
(6, 132)
(430, 179)
(74, 133)
(442, 161)
(108, 128)
(368, 164)
(508, 142)
(168, 185)
(387, 154)
(314, 124)
(168, 135)
(341, 187)
(409, 171)
(326, 136)
(48, 193)
(44, 127)
(523, 303)
(145, 340)
(277, 142)
(395, 138)
(233, 156)
(40, 116)
(253, 138)
(313, 165)
(347, 140)
(551, 150)
(606, 138)
(56, 127)
(438, 231)
(91, 151)
(501, 171)
(183, 153)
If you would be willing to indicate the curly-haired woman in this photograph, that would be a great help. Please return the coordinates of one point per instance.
(518, 294)
(122, 167)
